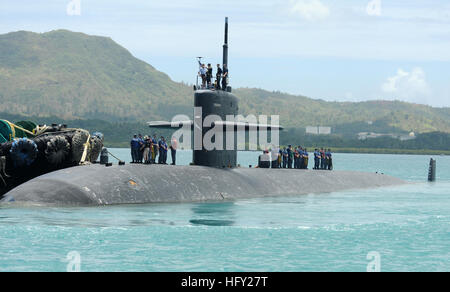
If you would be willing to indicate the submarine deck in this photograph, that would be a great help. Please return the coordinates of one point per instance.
(139, 184)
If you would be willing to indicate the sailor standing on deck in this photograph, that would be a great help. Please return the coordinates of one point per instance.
(316, 159)
(280, 158)
(225, 76)
(326, 159)
(134, 144)
(264, 160)
(173, 150)
(285, 157)
(209, 75)
(218, 76)
(147, 146)
(329, 160)
(155, 148)
(300, 159)
(162, 151)
(305, 158)
(275, 152)
(322, 158)
(296, 157)
(290, 156)
(141, 148)
(202, 72)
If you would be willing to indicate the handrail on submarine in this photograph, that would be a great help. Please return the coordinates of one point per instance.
(212, 87)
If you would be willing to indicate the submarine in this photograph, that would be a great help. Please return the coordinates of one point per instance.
(213, 176)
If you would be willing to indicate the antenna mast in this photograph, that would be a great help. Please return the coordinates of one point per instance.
(225, 46)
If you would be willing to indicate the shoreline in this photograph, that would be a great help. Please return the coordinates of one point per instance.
(388, 151)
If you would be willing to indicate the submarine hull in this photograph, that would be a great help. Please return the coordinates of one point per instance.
(96, 185)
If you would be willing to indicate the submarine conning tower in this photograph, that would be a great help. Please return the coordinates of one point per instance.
(218, 103)
(221, 104)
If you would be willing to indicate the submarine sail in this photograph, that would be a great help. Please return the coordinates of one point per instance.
(221, 104)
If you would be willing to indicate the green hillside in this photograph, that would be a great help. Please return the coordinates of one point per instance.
(303, 111)
(76, 76)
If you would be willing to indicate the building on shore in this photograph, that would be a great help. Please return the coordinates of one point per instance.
(314, 130)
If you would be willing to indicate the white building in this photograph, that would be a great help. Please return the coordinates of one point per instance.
(366, 135)
(324, 130)
(318, 130)
(312, 130)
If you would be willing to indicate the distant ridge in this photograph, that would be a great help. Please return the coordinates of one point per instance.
(74, 75)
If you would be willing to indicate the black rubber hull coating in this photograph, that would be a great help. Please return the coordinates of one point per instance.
(95, 185)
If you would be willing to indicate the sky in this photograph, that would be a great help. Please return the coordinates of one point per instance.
(345, 50)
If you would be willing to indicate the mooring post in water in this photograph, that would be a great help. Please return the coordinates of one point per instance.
(432, 171)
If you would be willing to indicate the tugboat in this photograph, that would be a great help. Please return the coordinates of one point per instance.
(28, 150)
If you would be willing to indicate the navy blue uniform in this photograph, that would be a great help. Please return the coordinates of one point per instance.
(316, 159)
(134, 144)
(162, 152)
(323, 159)
(224, 78)
(218, 77)
(329, 160)
(140, 150)
(296, 159)
(302, 161)
(285, 158)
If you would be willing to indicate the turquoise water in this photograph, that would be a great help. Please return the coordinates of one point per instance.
(408, 226)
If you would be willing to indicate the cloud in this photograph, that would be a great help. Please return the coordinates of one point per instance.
(408, 86)
(310, 9)
(374, 8)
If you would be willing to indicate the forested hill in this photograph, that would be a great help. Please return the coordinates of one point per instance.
(77, 76)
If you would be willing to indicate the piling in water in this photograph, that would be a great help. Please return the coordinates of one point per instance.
(432, 171)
